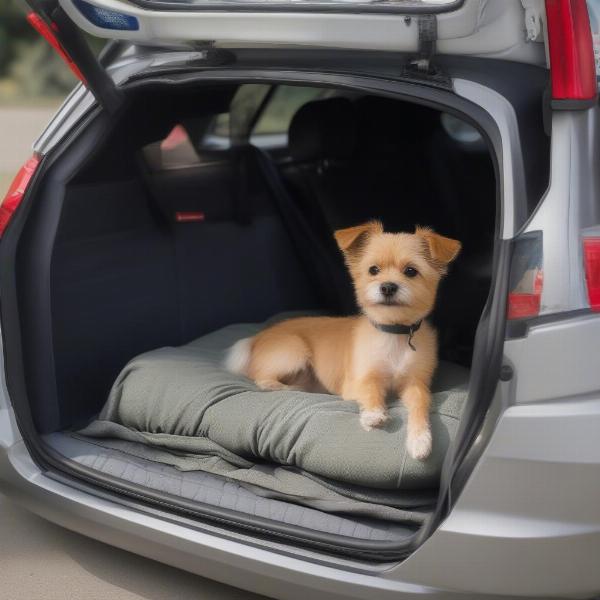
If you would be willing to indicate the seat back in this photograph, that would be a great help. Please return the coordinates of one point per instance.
(128, 275)
(378, 158)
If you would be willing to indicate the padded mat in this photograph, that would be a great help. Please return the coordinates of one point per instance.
(180, 407)
(218, 491)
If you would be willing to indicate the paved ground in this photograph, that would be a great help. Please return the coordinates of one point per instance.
(19, 128)
(41, 561)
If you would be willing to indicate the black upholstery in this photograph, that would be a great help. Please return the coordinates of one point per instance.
(127, 278)
(403, 169)
(323, 129)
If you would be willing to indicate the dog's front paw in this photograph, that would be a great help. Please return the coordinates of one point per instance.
(418, 444)
(372, 418)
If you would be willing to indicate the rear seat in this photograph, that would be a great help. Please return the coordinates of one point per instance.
(324, 174)
(122, 256)
(378, 158)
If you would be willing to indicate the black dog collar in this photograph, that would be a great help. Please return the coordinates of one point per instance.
(400, 330)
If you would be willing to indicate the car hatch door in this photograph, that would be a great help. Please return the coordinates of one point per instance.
(485, 28)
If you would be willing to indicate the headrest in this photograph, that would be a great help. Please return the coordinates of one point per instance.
(323, 129)
(386, 126)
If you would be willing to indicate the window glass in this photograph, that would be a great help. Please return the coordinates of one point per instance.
(270, 131)
(178, 151)
(286, 100)
(217, 135)
(225, 127)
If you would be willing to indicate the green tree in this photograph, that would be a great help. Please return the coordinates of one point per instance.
(28, 65)
(13, 28)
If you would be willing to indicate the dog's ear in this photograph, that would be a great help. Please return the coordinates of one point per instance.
(441, 250)
(353, 239)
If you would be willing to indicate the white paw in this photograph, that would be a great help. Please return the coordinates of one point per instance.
(372, 418)
(419, 444)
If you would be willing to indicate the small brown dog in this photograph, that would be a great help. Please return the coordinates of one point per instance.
(389, 348)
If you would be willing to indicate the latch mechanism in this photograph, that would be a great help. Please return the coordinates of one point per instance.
(427, 38)
(421, 68)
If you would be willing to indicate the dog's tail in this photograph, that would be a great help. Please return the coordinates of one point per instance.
(237, 359)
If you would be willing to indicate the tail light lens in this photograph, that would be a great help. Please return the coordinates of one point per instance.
(16, 191)
(591, 258)
(526, 277)
(49, 34)
(572, 66)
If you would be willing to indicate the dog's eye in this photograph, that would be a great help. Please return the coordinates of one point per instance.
(411, 272)
(374, 270)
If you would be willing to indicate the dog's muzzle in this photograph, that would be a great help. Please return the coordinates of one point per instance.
(388, 289)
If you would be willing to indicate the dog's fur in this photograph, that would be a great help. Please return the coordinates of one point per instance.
(349, 356)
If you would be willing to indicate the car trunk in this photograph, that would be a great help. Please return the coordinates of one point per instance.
(164, 222)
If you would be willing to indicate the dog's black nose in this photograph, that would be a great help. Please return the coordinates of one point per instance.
(388, 288)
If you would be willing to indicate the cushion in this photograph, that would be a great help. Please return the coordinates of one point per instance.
(182, 400)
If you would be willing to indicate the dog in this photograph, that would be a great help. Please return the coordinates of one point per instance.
(388, 348)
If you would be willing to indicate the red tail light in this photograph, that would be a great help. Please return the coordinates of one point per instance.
(48, 33)
(591, 257)
(572, 67)
(522, 305)
(16, 191)
(526, 277)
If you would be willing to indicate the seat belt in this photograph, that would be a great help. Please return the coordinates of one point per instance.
(242, 209)
(318, 259)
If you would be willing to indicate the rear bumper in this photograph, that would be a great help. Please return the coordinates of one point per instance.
(497, 540)
(526, 524)
(208, 554)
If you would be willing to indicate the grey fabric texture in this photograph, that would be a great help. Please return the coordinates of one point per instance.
(214, 490)
(180, 407)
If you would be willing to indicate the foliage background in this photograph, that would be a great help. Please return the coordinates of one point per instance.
(30, 72)
(33, 83)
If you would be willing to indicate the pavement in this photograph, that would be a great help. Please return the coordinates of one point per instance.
(20, 126)
(42, 561)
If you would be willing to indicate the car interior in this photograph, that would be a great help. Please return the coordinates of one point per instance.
(215, 205)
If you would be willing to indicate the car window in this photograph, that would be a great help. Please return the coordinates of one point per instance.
(225, 127)
(272, 126)
(177, 150)
(270, 130)
(285, 102)
(217, 136)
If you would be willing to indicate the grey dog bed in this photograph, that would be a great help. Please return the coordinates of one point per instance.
(178, 406)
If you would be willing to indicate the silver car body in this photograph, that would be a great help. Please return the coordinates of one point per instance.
(527, 523)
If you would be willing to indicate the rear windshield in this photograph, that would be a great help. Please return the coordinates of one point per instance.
(403, 6)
